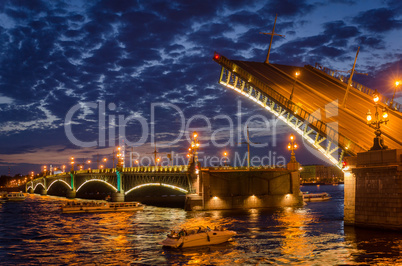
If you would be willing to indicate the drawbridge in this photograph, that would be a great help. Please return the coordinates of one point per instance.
(315, 110)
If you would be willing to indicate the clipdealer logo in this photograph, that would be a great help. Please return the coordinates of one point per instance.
(227, 132)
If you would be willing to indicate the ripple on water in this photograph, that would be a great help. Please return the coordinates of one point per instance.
(36, 232)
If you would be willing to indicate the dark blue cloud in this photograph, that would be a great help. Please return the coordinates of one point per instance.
(378, 20)
(55, 55)
(287, 8)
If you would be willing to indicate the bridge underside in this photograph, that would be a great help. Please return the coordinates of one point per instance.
(313, 111)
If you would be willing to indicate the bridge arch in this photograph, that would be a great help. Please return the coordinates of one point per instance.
(38, 185)
(97, 180)
(159, 185)
(58, 180)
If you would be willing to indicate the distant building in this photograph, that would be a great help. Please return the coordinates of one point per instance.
(321, 174)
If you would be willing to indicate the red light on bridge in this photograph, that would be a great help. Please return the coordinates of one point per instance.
(344, 164)
(217, 56)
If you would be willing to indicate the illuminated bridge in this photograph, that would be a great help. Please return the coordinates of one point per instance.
(315, 111)
(121, 183)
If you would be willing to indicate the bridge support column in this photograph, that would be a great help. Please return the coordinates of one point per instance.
(43, 192)
(30, 190)
(71, 194)
(245, 189)
(118, 196)
(373, 190)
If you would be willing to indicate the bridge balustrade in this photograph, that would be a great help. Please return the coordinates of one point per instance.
(355, 85)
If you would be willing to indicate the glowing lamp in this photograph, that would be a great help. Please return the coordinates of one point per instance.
(292, 137)
(369, 116)
(216, 56)
(397, 83)
(289, 146)
(384, 113)
(376, 98)
(297, 74)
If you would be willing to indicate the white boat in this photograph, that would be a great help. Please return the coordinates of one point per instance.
(197, 237)
(100, 206)
(15, 196)
(307, 197)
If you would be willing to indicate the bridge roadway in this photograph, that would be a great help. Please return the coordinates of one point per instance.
(314, 90)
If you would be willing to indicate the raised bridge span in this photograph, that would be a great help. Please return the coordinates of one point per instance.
(315, 110)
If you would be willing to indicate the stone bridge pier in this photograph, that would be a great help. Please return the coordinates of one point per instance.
(373, 190)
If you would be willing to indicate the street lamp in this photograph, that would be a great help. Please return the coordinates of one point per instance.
(294, 82)
(72, 164)
(44, 170)
(195, 144)
(292, 146)
(391, 103)
(376, 122)
(225, 154)
(120, 158)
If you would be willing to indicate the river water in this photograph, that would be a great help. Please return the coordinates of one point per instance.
(35, 232)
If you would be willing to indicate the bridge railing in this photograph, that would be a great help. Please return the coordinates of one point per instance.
(175, 168)
(355, 85)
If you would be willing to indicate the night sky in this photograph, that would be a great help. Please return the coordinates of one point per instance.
(146, 65)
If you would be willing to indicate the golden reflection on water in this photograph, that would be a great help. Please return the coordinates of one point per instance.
(285, 236)
(295, 243)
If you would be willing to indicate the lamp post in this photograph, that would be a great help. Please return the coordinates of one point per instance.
(44, 170)
(391, 103)
(292, 146)
(195, 144)
(225, 154)
(104, 160)
(294, 82)
(376, 123)
(72, 164)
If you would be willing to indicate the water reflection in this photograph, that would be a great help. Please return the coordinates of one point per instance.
(36, 232)
(376, 247)
(295, 244)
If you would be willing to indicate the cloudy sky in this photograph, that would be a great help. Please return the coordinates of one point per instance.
(77, 76)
